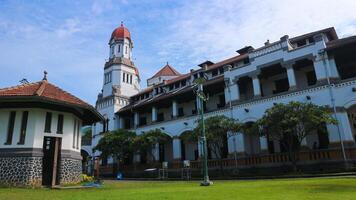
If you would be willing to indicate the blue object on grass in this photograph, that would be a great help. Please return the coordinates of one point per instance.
(92, 184)
(119, 176)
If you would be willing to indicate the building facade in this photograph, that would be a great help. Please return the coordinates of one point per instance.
(40, 139)
(316, 67)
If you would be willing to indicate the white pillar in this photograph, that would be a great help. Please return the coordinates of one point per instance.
(154, 114)
(200, 148)
(344, 127)
(174, 109)
(256, 86)
(319, 68)
(155, 152)
(263, 144)
(177, 149)
(333, 73)
(122, 122)
(136, 119)
(236, 143)
(137, 158)
(231, 91)
(291, 76)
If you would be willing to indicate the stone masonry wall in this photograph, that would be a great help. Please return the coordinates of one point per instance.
(70, 171)
(21, 171)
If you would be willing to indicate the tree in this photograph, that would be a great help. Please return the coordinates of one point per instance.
(291, 123)
(145, 142)
(117, 144)
(217, 129)
(86, 136)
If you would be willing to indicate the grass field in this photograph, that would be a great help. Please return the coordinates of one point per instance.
(286, 189)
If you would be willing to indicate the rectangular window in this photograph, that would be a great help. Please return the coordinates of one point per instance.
(214, 72)
(60, 124)
(107, 78)
(123, 77)
(130, 79)
(48, 122)
(143, 121)
(10, 127)
(74, 132)
(118, 48)
(180, 112)
(127, 78)
(23, 127)
(221, 70)
(78, 134)
(160, 117)
(126, 49)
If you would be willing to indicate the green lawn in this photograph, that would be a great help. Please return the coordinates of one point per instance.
(286, 189)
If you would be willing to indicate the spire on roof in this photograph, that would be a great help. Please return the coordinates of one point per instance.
(44, 75)
(122, 24)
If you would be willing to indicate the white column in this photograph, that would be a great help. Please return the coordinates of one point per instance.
(137, 158)
(174, 109)
(200, 148)
(291, 76)
(177, 149)
(263, 144)
(122, 122)
(256, 85)
(155, 152)
(154, 114)
(344, 127)
(236, 143)
(319, 68)
(136, 119)
(333, 73)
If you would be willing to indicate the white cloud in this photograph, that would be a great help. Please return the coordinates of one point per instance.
(99, 6)
(70, 27)
(215, 29)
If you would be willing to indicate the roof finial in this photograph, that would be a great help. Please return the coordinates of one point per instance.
(167, 63)
(45, 75)
(122, 24)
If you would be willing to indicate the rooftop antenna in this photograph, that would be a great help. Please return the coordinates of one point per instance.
(45, 75)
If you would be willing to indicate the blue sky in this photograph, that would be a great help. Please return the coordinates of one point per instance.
(69, 39)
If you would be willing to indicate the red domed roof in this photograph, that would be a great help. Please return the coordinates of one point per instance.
(121, 33)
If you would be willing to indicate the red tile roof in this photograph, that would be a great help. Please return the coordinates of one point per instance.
(167, 70)
(43, 89)
(121, 33)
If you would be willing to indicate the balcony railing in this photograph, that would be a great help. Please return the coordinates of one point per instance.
(276, 159)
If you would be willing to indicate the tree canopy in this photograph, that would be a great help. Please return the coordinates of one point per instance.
(118, 144)
(291, 123)
(144, 142)
(217, 130)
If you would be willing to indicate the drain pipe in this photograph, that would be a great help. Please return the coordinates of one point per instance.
(323, 54)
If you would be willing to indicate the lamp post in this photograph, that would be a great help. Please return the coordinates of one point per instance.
(201, 98)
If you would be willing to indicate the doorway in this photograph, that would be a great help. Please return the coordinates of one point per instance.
(51, 161)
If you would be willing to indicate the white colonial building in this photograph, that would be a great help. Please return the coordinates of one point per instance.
(317, 67)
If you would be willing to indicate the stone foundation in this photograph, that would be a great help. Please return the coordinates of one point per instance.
(70, 171)
(21, 171)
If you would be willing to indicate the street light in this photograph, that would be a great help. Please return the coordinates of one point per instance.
(198, 84)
